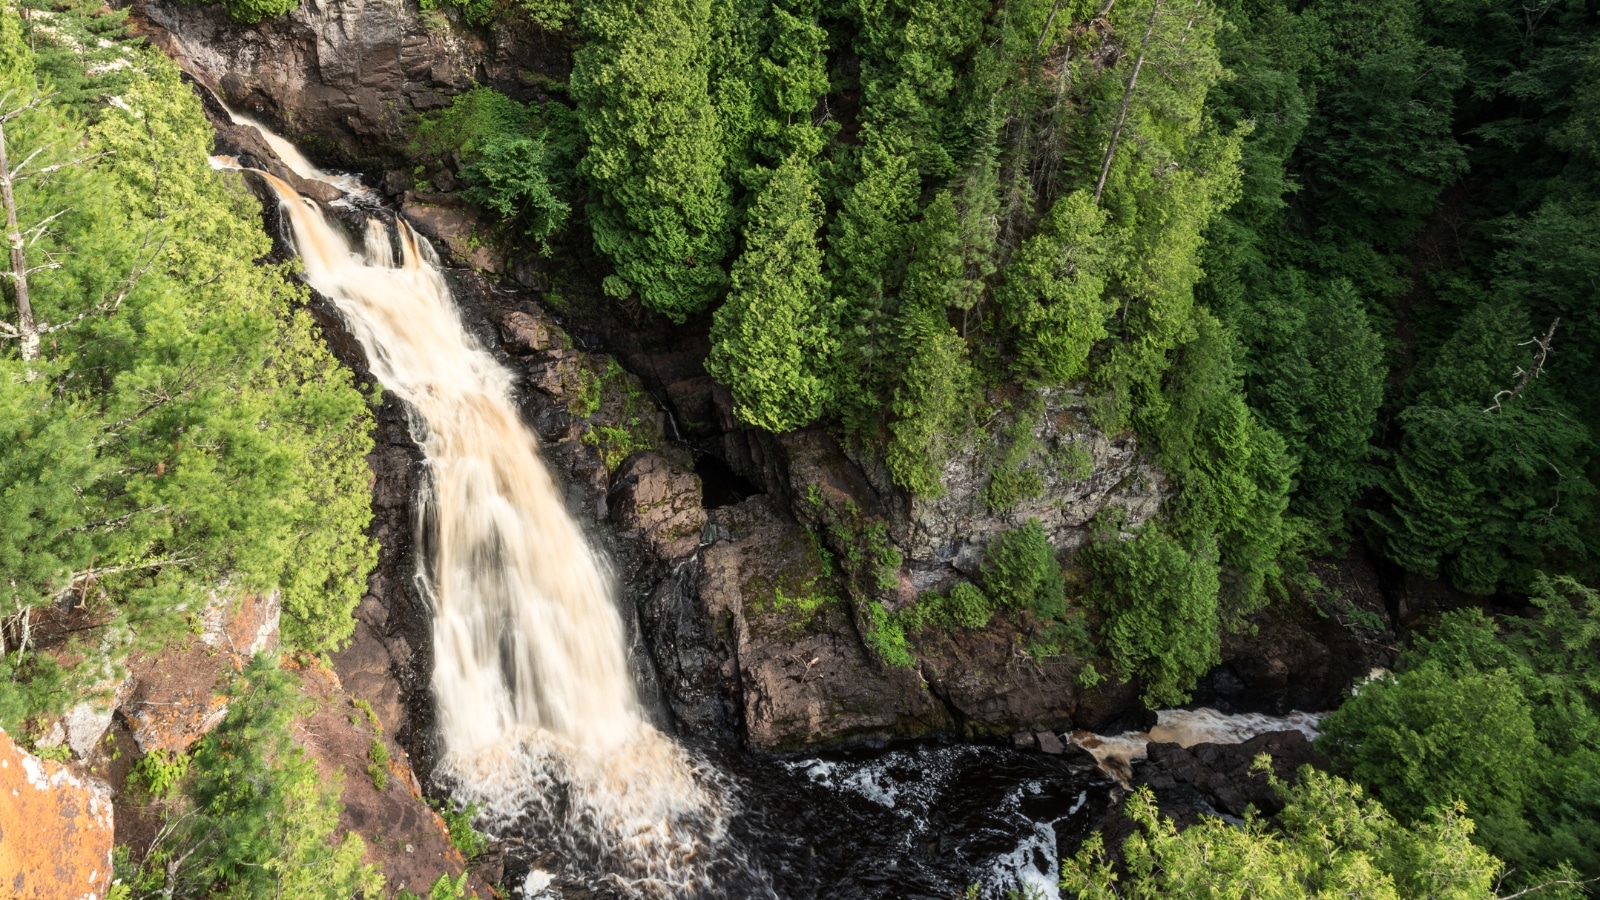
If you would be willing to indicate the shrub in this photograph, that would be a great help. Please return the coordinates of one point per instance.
(378, 763)
(1160, 603)
(160, 772)
(885, 636)
(968, 607)
(253, 11)
(512, 178)
(458, 820)
(1020, 572)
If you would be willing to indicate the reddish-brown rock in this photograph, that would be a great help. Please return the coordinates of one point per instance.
(55, 829)
(177, 693)
(652, 495)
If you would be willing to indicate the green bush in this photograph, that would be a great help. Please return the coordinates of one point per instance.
(885, 636)
(458, 820)
(256, 819)
(1159, 599)
(160, 772)
(968, 607)
(1501, 714)
(253, 11)
(1020, 572)
(378, 763)
(512, 177)
(1329, 841)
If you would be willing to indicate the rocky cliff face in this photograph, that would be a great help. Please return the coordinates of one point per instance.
(345, 78)
(744, 627)
(55, 829)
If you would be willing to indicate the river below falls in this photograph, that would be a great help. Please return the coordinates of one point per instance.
(924, 820)
(541, 722)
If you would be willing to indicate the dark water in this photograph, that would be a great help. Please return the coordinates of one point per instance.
(918, 821)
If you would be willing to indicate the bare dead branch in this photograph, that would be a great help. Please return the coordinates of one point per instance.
(1127, 97)
(1526, 377)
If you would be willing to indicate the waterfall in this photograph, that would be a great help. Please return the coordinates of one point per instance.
(537, 710)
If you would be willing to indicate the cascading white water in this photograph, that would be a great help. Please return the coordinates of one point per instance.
(537, 709)
(1187, 727)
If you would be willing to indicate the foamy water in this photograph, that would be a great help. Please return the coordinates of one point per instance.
(537, 709)
(297, 162)
(1186, 728)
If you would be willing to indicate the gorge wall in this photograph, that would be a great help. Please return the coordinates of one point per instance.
(741, 625)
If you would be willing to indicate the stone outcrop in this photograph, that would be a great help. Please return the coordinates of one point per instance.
(1080, 472)
(345, 77)
(55, 829)
(660, 501)
(803, 674)
(1220, 777)
(176, 694)
(405, 838)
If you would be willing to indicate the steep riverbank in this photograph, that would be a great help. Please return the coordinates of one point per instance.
(715, 529)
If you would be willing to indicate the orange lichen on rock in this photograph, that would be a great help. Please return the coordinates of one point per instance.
(55, 829)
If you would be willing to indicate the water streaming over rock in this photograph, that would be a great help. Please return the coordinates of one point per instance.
(1186, 728)
(536, 704)
(537, 710)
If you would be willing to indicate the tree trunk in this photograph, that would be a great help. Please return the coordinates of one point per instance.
(27, 330)
(1127, 95)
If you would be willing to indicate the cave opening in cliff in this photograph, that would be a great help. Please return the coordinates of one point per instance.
(720, 485)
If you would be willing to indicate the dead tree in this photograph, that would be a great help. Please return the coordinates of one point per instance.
(1127, 98)
(29, 329)
(1526, 377)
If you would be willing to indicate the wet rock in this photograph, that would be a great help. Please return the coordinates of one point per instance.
(456, 226)
(523, 333)
(248, 148)
(1050, 743)
(1218, 778)
(350, 72)
(1024, 740)
(55, 829)
(555, 373)
(663, 501)
(803, 675)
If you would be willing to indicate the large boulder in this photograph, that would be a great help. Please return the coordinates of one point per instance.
(55, 829)
(660, 500)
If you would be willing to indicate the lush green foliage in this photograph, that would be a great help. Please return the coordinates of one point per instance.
(1159, 599)
(458, 821)
(1329, 841)
(515, 160)
(664, 212)
(185, 430)
(772, 338)
(1020, 572)
(256, 818)
(1502, 715)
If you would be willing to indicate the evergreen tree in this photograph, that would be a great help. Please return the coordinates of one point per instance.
(184, 428)
(772, 339)
(656, 155)
(1054, 295)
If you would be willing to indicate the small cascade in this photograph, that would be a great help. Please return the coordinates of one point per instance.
(291, 156)
(1116, 754)
(537, 709)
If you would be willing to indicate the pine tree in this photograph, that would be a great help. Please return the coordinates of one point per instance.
(772, 339)
(656, 153)
(1054, 297)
